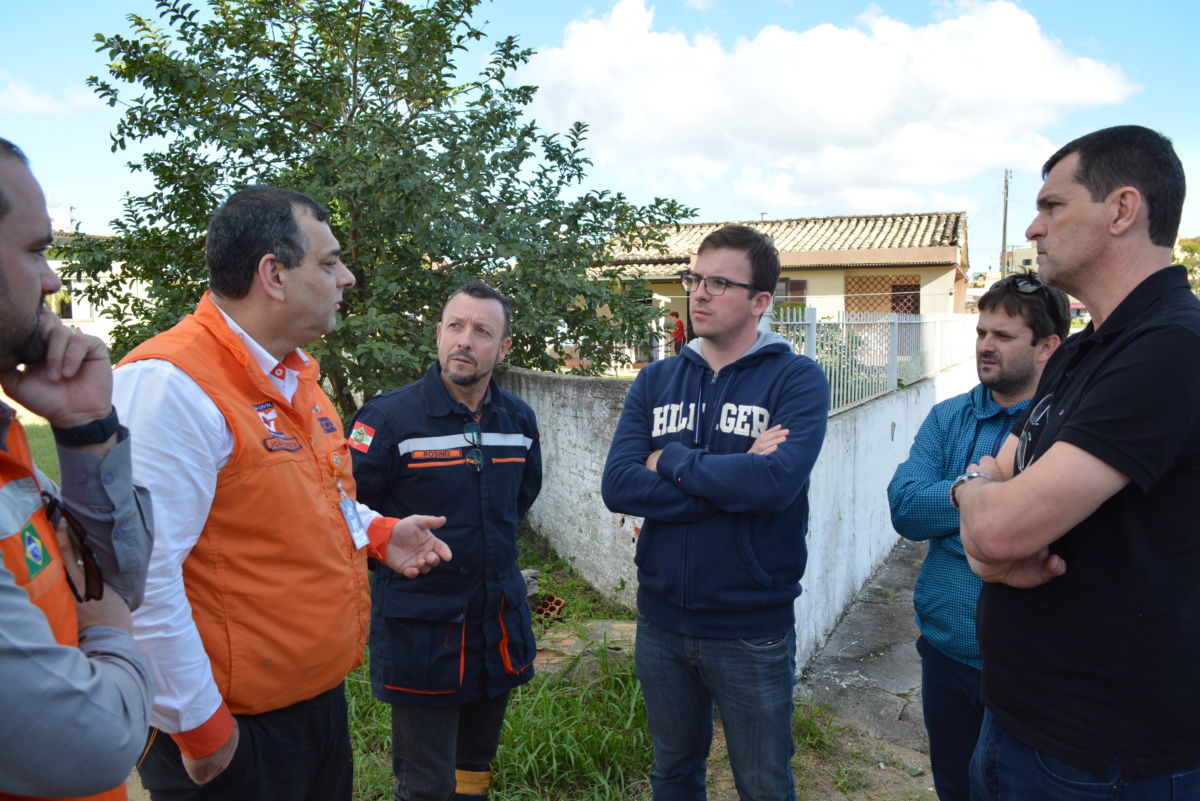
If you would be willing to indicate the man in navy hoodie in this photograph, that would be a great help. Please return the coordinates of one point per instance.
(714, 449)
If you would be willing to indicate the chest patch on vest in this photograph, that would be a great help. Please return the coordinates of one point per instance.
(37, 557)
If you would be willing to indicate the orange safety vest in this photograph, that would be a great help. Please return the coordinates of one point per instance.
(29, 550)
(278, 591)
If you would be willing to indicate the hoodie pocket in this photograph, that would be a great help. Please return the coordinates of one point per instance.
(749, 558)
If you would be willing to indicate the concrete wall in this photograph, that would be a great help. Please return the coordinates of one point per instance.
(576, 418)
(849, 528)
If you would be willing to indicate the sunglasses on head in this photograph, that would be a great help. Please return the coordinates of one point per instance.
(1030, 285)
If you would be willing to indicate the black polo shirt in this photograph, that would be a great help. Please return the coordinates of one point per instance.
(1104, 661)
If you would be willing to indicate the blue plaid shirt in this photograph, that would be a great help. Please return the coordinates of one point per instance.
(957, 432)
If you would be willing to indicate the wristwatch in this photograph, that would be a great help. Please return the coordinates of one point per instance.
(963, 479)
(92, 433)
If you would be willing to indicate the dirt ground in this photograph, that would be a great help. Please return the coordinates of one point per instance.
(857, 768)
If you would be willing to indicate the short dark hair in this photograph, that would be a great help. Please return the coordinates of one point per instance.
(1130, 155)
(1044, 309)
(674, 314)
(248, 225)
(478, 289)
(759, 249)
(9, 150)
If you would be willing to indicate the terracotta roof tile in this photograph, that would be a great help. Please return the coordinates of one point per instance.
(866, 232)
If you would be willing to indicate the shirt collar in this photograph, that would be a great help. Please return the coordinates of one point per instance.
(987, 406)
(294, 361)
(1138, 303)
(439, 402)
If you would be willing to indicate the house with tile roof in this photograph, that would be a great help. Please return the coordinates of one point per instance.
(905, 263)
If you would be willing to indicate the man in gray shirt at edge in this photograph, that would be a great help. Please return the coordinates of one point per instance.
(74, 692)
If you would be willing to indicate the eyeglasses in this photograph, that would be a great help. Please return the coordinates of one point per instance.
(1030, 285)
(93, 577)
(473, 434)
(715, 285)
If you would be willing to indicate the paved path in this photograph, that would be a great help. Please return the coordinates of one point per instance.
(869, 670)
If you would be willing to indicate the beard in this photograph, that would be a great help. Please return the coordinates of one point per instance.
(1011, 379)
(24, 347)
(463, 379)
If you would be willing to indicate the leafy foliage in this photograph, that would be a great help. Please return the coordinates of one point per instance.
(1188, 254)
(431, 179)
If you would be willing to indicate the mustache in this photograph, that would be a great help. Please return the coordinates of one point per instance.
(465, 355)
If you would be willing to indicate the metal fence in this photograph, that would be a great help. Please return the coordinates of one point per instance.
(866, 355)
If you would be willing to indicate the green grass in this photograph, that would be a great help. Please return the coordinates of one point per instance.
(370, 737)
(41, 441)
(849, 778)
(557, 576)
(814, 727)
(576, 735)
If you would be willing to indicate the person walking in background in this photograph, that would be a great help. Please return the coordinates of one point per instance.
(678, 335)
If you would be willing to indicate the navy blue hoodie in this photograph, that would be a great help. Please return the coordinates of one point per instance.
(722, 549)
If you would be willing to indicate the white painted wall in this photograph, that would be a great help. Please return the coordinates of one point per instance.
(849, 526)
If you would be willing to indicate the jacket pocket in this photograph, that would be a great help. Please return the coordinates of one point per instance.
(518, 649)
(418, 643)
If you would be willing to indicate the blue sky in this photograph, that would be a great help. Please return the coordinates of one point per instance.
(741, 108)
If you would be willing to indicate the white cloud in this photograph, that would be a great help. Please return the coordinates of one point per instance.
(18, 97)
(873, 117)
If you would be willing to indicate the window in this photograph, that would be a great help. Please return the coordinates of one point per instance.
(791, 290)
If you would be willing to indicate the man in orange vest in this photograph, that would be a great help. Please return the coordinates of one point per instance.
(74, 692)
(257, 601)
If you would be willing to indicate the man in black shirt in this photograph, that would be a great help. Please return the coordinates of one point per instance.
(1083, 527)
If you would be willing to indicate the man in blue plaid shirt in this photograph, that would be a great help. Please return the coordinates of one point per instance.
(1021, 322)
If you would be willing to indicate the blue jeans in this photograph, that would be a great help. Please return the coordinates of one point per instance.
(751, 683)
(429, 745)
(1005, 769)
(953, 714)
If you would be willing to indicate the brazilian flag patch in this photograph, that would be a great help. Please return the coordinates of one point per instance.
(37, 556)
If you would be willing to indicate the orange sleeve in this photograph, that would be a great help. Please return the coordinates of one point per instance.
(208, 736)
(379, 531)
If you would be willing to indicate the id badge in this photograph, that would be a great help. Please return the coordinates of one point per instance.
(354, 523)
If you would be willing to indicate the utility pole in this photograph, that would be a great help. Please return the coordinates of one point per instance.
(1004, 230)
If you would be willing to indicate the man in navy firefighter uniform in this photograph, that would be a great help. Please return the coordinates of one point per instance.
(447, 650)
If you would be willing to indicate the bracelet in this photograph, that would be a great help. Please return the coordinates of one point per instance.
(963, 479)
(93, 433)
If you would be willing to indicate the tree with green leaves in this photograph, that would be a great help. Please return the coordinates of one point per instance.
(1188, 254)
(432, 179)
